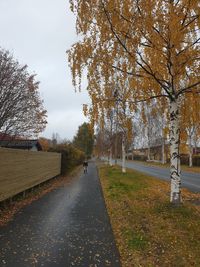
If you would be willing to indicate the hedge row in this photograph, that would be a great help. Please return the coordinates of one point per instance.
(195, 160)
(70, 156)
(140, 157)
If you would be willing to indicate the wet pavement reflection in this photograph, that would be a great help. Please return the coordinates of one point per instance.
(67, 227)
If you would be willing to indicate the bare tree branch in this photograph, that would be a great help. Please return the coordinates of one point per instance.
(21, 109)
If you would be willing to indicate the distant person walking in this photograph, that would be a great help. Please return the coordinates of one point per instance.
(85, 166)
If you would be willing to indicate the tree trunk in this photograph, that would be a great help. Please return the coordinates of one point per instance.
(110, 157)
(123, 155)
(163, 151)
(174, 153)
(116, 152)
(190, 151)
(190, 160)
(148, 152)
(149, 140)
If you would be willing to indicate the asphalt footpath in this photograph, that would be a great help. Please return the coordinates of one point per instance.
(66, 227)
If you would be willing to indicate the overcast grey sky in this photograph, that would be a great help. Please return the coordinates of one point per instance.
(38, 33)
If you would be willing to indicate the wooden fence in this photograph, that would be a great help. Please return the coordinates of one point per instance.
(23, 169)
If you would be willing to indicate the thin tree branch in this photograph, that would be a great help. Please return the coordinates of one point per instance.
(152, 74)
(113, 31)
(122, 16)
(189, 46)
(188, 88)
(127, 72)
(190, 22)
(129, 101)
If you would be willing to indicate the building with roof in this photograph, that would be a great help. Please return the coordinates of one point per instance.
(32, 145)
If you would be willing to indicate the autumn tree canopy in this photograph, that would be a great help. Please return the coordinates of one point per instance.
(150, 46)
(21, 108)
(84, 139)
(159, 41)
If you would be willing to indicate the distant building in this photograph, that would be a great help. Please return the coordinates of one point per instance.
(4, 136)
(196, 150)
(154, 152)
(32, 145)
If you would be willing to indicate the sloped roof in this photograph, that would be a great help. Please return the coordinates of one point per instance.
(4, 136)
(21, 144)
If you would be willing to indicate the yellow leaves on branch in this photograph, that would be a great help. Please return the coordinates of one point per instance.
(85, 109)
(190, 112)
(129, 127)
(150, 47)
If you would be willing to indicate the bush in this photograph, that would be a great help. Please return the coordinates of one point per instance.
(195, 160)
(184, 159)
(70, 156)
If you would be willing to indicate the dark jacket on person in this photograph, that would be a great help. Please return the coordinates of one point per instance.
(85, 164)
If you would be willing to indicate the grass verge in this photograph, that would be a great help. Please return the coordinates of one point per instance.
(149, 231)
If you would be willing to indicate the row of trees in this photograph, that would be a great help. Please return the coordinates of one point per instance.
(73, 152)
(21, 108)
(137, 51)
(150, 138)
(84, 139)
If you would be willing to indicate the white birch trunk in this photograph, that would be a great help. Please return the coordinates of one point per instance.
(190, 151)
(190, 160)
(149, 140)
(174, 153)
(116, 152)
(123, 155)
(148, 152)
(163, 151)
(110, 157)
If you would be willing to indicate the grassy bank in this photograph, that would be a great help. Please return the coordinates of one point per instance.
(148, 230)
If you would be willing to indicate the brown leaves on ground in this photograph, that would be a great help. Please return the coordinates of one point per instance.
(149, 231)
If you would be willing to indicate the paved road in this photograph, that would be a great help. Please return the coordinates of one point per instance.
(67, 227)
(189, 180)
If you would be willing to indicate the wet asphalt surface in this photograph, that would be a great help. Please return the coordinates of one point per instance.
(67, 227)
(189, 180)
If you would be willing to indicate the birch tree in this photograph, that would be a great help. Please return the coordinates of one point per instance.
(159, 40)
(125, 126)
(110, 126)
(190, 122)
(153, 116)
